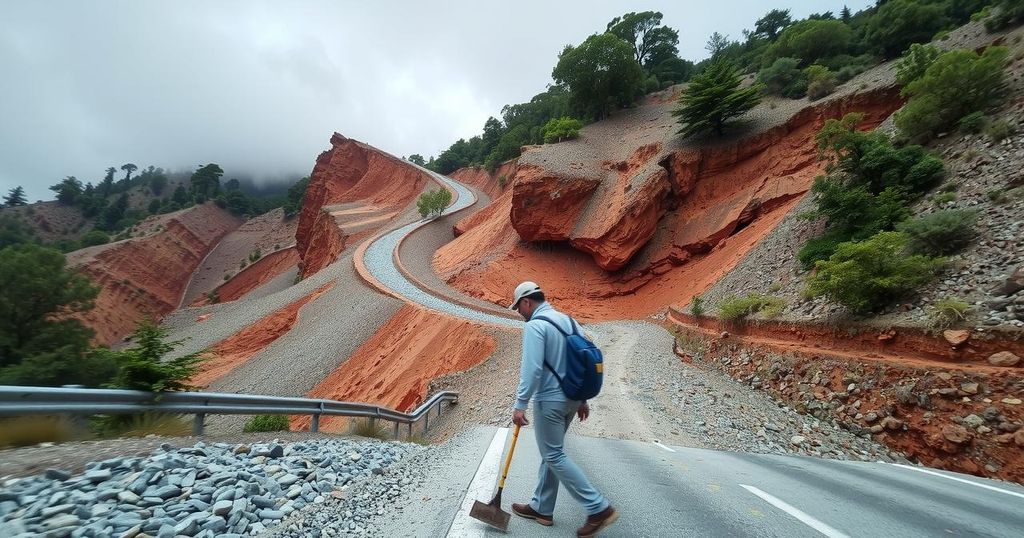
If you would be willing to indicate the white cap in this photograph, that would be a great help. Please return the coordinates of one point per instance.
(522, 290)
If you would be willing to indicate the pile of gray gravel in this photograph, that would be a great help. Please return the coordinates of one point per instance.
(206, 490)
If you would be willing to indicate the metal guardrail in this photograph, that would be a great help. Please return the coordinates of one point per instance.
(19, 401)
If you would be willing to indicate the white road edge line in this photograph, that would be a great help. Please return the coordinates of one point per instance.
(986, 486)
(482, 488)
(655, 441)
(804, 518)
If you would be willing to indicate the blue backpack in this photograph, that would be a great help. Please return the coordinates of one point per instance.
(584, 365)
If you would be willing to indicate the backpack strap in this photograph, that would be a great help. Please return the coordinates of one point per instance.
(565, 334)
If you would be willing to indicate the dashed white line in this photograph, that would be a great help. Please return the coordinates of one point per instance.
(663, 447)
(482, 487)
(986, 486)
(789, 509)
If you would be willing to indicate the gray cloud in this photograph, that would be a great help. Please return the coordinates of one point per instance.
(259, 87)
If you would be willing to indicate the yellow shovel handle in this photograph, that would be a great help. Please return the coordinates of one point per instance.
(508, 459)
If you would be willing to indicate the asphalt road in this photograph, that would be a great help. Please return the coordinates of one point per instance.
(674, 491)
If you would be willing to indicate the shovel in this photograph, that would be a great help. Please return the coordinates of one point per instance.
(491, 513)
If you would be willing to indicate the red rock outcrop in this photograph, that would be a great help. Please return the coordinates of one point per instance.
(491, 183)
(350, 173)
(617, 238)
(146, 276)
(260, 272)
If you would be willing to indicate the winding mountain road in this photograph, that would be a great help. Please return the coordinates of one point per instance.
(666, 490)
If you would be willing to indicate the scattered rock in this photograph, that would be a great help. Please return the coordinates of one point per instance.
(955, 433)
(1011, 401)
(956, 337)
(1003, 358)
(969, 388)
(892, 424)
(797, 439)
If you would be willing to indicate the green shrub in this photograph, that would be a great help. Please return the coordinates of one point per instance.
(943, 198)
(95, 237)
(697, 306)
(784, 77)
(940, 233)
(1009, 12)
(564, 128)
(370, 428)
(242, 264)
(898, 23)
(872, 273)
(997, 196)
(946, 313)
(266, 423)
(146, 366)
(434, 202)
(847, 72)
(999, 130)
(973, 123)
(915, 62)
(820, 81)
(737, 308)
(820, 248)
(954, 85)
(255, 255)
(502, 181)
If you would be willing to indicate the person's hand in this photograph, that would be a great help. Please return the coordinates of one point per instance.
(583, 412)
(519, 418)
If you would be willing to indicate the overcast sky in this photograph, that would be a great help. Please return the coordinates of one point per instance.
(258, 87)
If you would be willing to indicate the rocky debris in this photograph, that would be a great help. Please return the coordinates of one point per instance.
(205, 490)
(1003, 358)
(956, 434)
(1013, 283)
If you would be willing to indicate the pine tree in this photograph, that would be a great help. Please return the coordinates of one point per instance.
(713, 98)
(845, 15)
(15, 196)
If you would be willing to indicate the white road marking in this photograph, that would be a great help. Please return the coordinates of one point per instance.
(481, 488)
(804, 518)
(655, 441)
(986, 486)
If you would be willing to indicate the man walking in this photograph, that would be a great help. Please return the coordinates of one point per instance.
(544, 352)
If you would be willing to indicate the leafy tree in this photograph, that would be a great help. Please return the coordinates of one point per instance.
(128, 169)
(713, 98)
(157, 182)
(1008, 12)
(915, 62)
(898, 23)
(154, 206)
(180, 196)
(146, 366)
(107, 185)
(867, 275)
(560, 129)
(601, 74)
(772, 24)
(237, 202)
(433, 203)
(68, 190)
(296, 193)
(205, 182)
(113, 214)
(416, 158)
(784, 78)
(812, 40)
(716, 44)
(14, 232)
(646, 34)
(957, 83)
(40, 341)
(508, 147)
(15, 197)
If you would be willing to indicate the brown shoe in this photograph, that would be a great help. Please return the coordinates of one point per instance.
(527, 511)
(597, 522)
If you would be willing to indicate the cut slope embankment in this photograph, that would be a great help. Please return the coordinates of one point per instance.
(650, 229)
(350, 176)
(146, 276)
(395, 366)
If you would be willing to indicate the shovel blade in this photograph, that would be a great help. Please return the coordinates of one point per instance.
(491, 514)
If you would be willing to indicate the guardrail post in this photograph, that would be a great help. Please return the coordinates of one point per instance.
(426, 421)
(396, 430)
(197, 424)
(410, 431)
(315, 426)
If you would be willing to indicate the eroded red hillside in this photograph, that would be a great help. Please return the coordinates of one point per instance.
(146, 276)
(352, 180)
(614, 237)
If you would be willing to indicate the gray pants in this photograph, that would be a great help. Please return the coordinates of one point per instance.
(550, 422)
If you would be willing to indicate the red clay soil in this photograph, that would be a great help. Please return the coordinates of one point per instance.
(670, 234)
(951, 416)
(259, 273)
(904, 346)
(238, 348)
(489, 183)
(146, 276)
(396, 365)
(351, 172)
